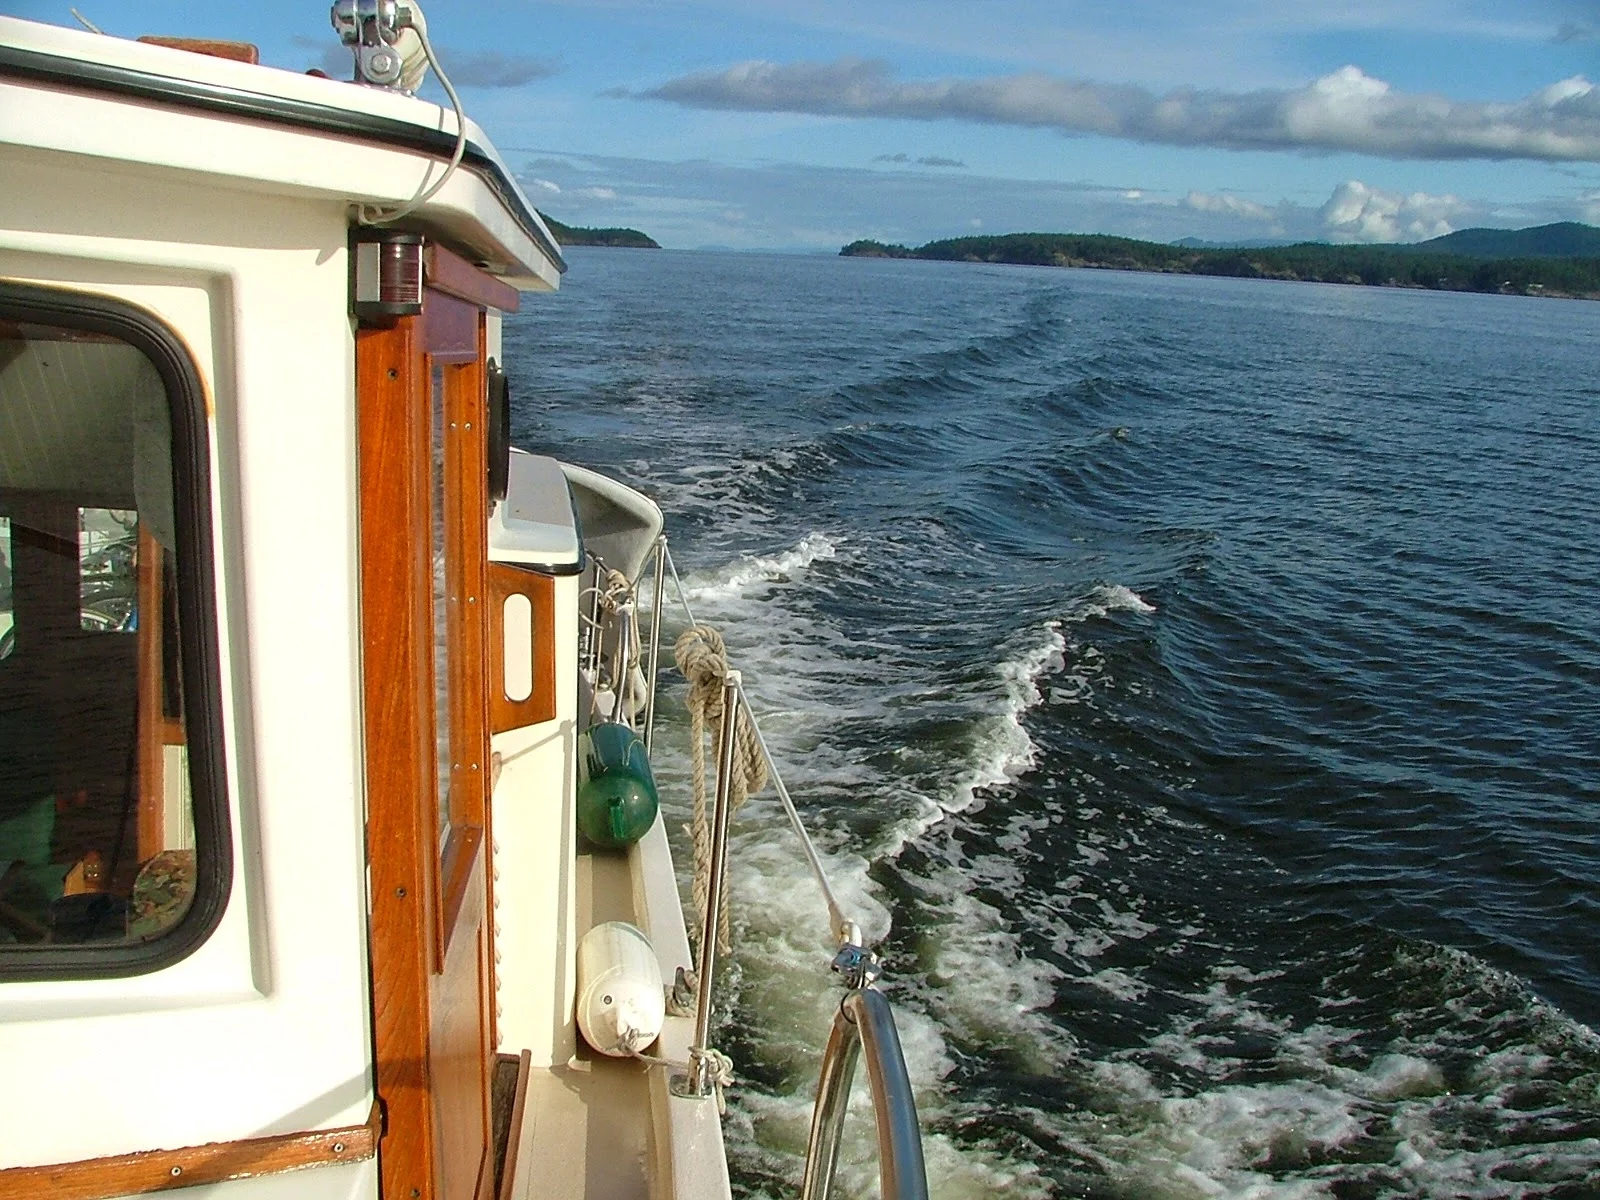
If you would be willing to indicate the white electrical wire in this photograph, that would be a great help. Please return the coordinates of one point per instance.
(372, 214)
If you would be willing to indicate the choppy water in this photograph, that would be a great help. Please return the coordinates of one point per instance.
(1194, 682)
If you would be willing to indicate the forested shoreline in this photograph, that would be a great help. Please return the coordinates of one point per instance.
(1319, 262)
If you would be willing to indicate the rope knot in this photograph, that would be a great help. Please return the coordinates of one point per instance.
(702, 656)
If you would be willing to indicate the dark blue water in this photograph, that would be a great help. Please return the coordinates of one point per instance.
(1195, 684)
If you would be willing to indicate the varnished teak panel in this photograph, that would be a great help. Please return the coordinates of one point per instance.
(430, 902)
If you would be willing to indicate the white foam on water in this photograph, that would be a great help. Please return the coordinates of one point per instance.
(1119, 985)
(738, 577)
(1002, 750)
(983, 987)
(1110, 598)
(1281, 1140)
(980, 985)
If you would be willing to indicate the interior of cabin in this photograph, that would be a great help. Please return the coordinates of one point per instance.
(96, 829)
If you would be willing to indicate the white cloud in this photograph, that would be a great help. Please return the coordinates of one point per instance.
(1233, 205)
(491, 69)
(544, 184)
(1345, 110)
(1358, 213)
(790, 206)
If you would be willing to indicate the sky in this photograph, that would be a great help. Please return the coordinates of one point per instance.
(800, 126)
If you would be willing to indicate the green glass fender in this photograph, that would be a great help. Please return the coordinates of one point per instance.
(617, 799)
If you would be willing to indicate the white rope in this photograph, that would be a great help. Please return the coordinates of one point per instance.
(719, 1070)
(703, 659)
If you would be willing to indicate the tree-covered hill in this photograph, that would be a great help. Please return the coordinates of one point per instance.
(1564, 239)
(577, 235)
(1377, 266)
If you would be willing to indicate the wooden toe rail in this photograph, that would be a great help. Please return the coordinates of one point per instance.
(163, 1170)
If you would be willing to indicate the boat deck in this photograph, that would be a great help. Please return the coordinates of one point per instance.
(560, 1151)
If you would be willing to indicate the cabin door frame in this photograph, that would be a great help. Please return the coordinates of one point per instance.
(422, 451)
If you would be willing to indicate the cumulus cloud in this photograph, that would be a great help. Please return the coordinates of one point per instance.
(1235, 206)
(1347, 110)
(1358, 213)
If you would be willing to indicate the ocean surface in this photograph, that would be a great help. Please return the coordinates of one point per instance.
(1193, 684)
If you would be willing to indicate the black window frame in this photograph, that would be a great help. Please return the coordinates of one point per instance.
(198, 640)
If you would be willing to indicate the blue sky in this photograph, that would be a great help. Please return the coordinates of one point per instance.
(774, 124)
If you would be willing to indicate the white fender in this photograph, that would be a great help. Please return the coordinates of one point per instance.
(621, 1001)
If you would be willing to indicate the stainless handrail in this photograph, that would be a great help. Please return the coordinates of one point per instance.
(700, 1077)
(864, 1021)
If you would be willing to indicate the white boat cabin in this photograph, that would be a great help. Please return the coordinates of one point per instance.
(289, 678)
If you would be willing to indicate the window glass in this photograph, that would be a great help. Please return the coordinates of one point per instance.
(97, 835)
(7, 634)
(108, 548)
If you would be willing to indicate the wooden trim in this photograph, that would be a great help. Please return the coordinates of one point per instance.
(466, 553)
(508, 1171)
(450, 328)
(397, 652)
(164, 1170)
(454, 275)
(243, 52)
(540, 590)
(150, 723)
(455, 873)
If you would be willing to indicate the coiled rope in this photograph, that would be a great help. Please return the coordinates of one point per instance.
(703, 659)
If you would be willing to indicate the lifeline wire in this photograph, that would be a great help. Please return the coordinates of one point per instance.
(842, 927)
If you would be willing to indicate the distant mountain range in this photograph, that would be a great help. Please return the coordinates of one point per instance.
(578, 235)
(1564, 239)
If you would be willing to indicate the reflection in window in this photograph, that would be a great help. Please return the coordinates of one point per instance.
(7, 634)
(108, 559)
(96, 822)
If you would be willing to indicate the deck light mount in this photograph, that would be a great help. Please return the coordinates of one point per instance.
(385, 274)
(384, 36)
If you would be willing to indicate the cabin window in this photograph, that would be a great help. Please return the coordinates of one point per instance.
(113, 847)
(7, 633)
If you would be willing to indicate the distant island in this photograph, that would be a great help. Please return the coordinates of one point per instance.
(577, 235)
(1550, 260)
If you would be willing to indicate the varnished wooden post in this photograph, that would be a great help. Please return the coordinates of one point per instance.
(397, 647)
